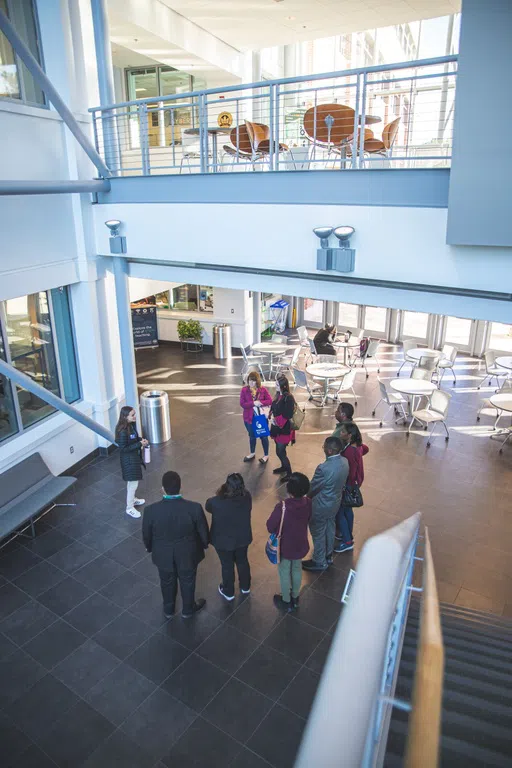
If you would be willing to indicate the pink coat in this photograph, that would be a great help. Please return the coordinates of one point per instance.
(247, 403)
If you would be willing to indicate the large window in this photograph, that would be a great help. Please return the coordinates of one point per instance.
(415, 325)
(192, 298)
(501, 337)
(458, 331)
(313, 311)
(348, 316)
(16, 82)
(37, 338)
(376, 320)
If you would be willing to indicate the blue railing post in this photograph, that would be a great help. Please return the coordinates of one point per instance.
(144, 138)
(203, 133)
(363, 118)
(271, 128)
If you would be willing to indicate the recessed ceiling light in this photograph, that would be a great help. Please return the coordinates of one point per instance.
(290, 18)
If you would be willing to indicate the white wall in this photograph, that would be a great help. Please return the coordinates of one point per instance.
(140, 288)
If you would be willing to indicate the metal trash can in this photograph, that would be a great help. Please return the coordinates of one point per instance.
(155, 416)
(221, 341)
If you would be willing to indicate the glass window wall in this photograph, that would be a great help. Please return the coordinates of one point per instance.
(458, 331)
(500, 338)
(313, 311)
(376, 320)
(348, 316)
(8, 423)
(415, 325)
(192, 298)
(16, 82)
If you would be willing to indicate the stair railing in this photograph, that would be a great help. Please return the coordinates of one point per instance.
(425, 718)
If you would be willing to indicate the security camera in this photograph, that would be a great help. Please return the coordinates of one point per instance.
(323, 233)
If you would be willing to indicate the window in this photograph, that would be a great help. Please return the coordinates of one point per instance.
(192, 298)
(16, 82)
(313, 311)
(458, 331)
(415, 325)
(348, 316)
(36, 337)
(375, 319)
(501, 337)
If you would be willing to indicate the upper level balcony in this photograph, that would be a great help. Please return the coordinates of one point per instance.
(392, 116)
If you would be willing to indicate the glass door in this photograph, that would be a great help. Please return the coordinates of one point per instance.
(460, 332)
(416, 325)
(376, 322)
(349, 317)
(313, 313)
(500, 338)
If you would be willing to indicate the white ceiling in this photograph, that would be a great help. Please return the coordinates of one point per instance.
(254, 24)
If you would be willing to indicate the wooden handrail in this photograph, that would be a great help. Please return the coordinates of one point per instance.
(425, 718)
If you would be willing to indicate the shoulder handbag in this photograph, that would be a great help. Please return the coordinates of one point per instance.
(273, 545)
(298, 417)
(352, 496)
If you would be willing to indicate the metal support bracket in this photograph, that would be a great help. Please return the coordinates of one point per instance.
(405, 706)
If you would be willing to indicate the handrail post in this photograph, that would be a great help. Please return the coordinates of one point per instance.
(203, 134)
(358, 126)
(271, 128)
(362, 119)
(144, 138)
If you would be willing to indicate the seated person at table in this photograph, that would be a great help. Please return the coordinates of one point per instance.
(324, 339)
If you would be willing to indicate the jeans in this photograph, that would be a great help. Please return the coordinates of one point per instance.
(290, 578)
(228, 559)
(323, 528)
(169, 586)
(345, 523)
(131, 490)
(281, 455)
(252, 440)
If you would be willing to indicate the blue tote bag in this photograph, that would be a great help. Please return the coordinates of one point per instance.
(260, 424)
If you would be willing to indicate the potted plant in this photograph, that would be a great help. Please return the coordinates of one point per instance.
(190, 332)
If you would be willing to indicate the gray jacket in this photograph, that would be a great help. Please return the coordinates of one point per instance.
(327, 485)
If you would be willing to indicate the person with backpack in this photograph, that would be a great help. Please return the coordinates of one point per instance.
(281, 431)
(353, 450)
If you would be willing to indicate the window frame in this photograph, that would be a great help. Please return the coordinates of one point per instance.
(19, 69)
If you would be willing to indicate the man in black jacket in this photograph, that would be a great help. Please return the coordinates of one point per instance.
(175, 531)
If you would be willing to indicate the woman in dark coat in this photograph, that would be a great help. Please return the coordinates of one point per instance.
(231, 533)
(281, 430)
(324, 339)
(130, 451)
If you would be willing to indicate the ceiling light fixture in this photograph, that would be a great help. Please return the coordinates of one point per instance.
(323, 233)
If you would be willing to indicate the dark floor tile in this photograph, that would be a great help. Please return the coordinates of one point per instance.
(317, 659)
(300, 694)
(124, 635)
(25, 623)
(202, 746)
(18, 673)
(268, 671)
(332, 582)
(158, 723)
(126, 589)
(318, 610)
(103, 537)
(64, 596)
(13, 564)
(248, 759)
(256, 617)
(38, 579)
(11, 598)
(295, 639)
(6, 646)
(53, 644)
(71, 558)
(13, 741)
(227, 648)
(118, 751)
(49, 543)
(237, 709)
(85, 667)
(99, 572)
(75, 736)
(120, 693)
(147, 570)
(93, 614)
(191, 633)
(158, 657)
(128, 552)
(195, 682)
(149, 608)
(278, 737)
(33, 757)
(43, 704)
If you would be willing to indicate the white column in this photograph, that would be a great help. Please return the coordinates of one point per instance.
(256, 315)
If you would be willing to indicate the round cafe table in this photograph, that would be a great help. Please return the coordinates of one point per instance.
(414, 388)
(418, 352)
(502, 402)
(272, 349)
(213, 131)
(328, 372)
(504, 361)
(344, 345)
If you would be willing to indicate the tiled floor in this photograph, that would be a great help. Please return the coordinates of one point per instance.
(92, 675)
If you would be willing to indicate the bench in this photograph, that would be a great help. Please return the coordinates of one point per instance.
(25, 491)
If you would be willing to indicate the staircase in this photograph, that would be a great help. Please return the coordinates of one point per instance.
(476, 726)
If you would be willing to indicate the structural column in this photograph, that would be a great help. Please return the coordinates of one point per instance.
(124, 315)
(256, 315)
(106, 83)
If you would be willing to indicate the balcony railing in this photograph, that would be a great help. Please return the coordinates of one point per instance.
(392, 116)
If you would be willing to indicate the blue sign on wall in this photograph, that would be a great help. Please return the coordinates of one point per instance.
(145, 332)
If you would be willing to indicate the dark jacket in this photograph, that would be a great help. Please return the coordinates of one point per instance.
(294, 536)
(323, 342)
(130, 453)
(175, 531)
(282, 409)
(231, 521)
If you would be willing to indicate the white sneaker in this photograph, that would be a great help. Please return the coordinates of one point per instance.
(245, 591)
(133, 512)
(138, 502)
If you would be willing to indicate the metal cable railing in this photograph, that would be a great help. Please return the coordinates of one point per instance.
(389, 116)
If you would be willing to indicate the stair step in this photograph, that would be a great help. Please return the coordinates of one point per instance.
(475, 664)
(456, 753)
(461, 631)
(491, 618)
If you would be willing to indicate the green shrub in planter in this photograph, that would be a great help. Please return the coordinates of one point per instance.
(190, 329)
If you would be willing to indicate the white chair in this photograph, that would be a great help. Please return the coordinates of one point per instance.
(428, 362)
(312, 349)
(302, 333)
(421, 373)
(287, 363)
(251, 362)
(346, 384)
(407, 345)
(191, 150)
(505, 389)
(492, 371)
(434, 413)
(371, 351)
(393, 400)
(301, 380)
(357, 333)
(277, 338)
(329, 359)
(449, 356)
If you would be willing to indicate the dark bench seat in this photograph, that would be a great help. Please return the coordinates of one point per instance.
(26, 490)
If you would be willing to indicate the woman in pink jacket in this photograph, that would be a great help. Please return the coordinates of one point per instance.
(254, 396)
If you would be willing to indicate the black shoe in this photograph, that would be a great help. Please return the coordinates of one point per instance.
(226, 597)
(279, 470)
(280, 603)
(329, 559)
(168, 614)
(263, 461)
(295, 603)
(284, 478)
(312, 565)
(249, 458)
(198, 606)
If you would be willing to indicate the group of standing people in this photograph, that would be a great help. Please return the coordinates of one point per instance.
(175, 530)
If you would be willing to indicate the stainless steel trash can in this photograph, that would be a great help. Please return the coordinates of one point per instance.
(155, 416)
(221, 341)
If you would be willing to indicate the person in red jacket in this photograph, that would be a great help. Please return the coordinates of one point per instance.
(254, 396)
(353, 450)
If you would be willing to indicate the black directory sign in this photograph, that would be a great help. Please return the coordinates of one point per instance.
(145, 332)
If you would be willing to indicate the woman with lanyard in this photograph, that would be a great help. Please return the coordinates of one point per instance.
(254, 396)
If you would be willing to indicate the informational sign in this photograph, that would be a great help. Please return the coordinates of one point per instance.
(145, 333)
